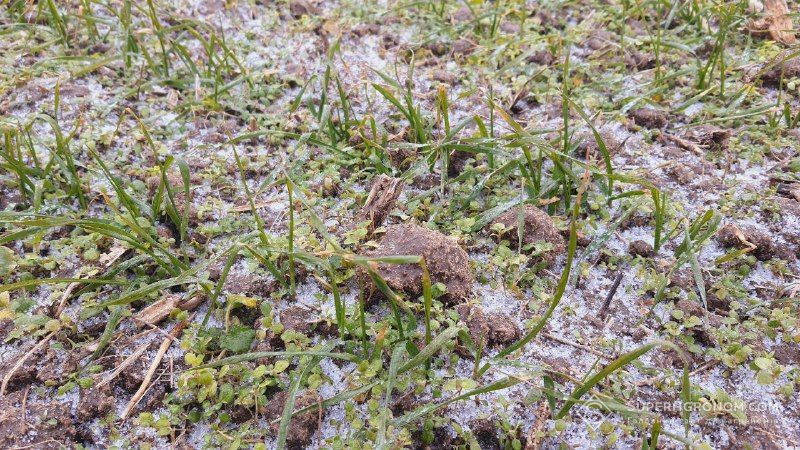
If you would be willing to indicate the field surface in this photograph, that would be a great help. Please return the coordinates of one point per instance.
(397, 224)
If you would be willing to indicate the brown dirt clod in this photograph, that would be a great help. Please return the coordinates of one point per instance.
(788, 353)
(639, 60)
(457, 162)
(298, 319)
(485, 432)
(588, 145)
(538, 227)
(641, 248)
(775, 24)
(447, 262)
(541, 57)
(300, 8)
(489, 328)
(649, 118)
(95, 402)
(744, 237)
(23, 376)
(401, 157)
(463, 47)
(463, 14)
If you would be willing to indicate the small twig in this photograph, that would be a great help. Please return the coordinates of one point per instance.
(63, 302)
(25, 408)
(610, 295)
(153, 367)
(125, 363)
(157, 311)
(683, 143)
(704, 367)
(651, 380)
(585, 348)
(22, 360)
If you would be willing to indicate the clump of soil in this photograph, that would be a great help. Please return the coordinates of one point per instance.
(538, 227)
(588, 148)
(300, 8)
(463, 14)
(682, 173)
(599, 40)
(437, 48)
(463, 47)
(244, 283)
(746, 237)
(381, 199)
(638, 60)
(444, 76)
(787, 353)
(641, 248)
(447, 262)
(541, 57)
(55, 365)
(23, 376)
(649, 118)
(684, 280)
(427, 181)
(789, 190)
(635, 220)
(300, 319)
(488, 328)
(775, 23)
(95, 402)
(301, 427)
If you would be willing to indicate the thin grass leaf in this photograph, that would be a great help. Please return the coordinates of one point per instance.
(431, 349)
(252, 356)
(184, 278)
(601, 375)
(114, 318)
(397, 354)
(43, 281)
(560, 288)
(655, 431)
(336, 399)
(601, 145)
(299, 377)
(423, 411)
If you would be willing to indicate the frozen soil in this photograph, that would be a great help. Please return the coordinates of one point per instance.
(227, 175)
